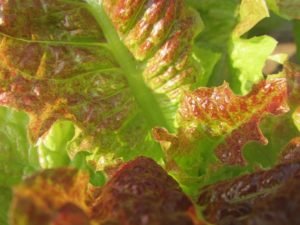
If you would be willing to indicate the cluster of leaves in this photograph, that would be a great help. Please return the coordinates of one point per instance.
(140, 192)
(103, 82)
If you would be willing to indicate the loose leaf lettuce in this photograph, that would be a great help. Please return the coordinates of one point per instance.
(110, 100)
(109, 72)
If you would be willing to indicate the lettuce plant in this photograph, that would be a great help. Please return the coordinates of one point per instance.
(87, 85)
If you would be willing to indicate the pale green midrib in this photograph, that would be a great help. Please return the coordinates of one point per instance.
(143, 95)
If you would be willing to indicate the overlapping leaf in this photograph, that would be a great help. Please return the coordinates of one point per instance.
(217, 112)
(140, 192)
(58, 65)
(225, 23)
(61, 73)
(16, 155)
(251, 12)
(159, 33)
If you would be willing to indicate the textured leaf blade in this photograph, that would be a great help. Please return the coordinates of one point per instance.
(68, 73)
(218, 112)
(159, 34)
(71, 71)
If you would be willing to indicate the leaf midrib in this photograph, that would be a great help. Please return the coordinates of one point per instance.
(143, 95)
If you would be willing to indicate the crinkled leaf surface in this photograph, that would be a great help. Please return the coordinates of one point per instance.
(218, 112)
(281, 129)
(67, 62)
(119, 70)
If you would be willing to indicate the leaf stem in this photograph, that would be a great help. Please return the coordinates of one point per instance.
(143, 94)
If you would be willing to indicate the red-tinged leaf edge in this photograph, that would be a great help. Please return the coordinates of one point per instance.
(219, 113)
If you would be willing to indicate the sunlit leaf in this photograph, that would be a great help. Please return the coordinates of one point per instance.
(248, 63)
(251, 12)
(218, 112)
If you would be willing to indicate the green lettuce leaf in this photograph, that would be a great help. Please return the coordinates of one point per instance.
(247, 62)
(296, 118)
(224, 23)
(251, 12)
(17, 156)
(53, 149)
